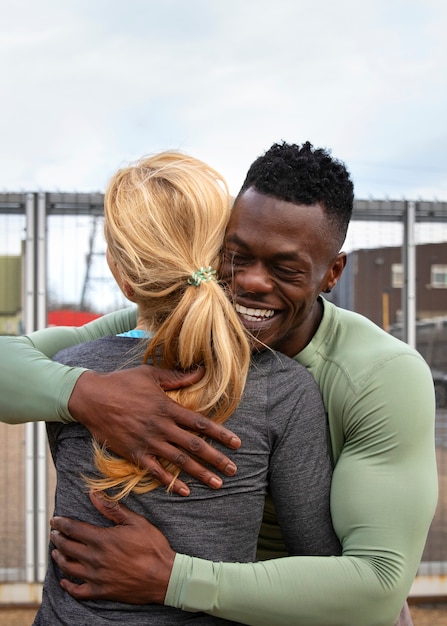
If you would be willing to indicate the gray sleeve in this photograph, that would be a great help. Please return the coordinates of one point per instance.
(301, 468)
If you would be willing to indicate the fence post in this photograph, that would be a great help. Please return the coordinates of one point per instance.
(409, 269)
(35, 316)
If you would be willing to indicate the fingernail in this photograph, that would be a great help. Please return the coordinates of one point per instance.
(215, 482)
(234, 442)
(230, 469)
(184, 491)
(105, 501)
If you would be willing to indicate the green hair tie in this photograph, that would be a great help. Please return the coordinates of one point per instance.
(203, 275)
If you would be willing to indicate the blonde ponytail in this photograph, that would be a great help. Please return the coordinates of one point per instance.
(165, 219)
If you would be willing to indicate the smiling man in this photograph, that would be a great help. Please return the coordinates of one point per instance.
(277, 269)
(282, 250)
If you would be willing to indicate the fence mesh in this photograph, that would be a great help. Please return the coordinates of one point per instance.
(78, 280)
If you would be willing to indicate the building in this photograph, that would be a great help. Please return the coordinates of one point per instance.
(373, 278)
(372, 285)
(10, 295)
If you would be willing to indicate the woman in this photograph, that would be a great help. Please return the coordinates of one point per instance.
(165, 218)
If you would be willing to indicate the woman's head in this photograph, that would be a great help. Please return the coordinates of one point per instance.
(165, 219)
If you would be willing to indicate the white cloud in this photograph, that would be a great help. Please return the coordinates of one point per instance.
(90, 84)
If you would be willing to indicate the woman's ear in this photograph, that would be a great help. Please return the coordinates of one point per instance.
(120, 281)
(128, 291)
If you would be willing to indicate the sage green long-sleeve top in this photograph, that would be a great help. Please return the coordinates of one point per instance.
(379, 396)
(32, 387)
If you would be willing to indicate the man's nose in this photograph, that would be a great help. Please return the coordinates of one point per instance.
(254, 279)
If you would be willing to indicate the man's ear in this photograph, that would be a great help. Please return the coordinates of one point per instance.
(335, 271)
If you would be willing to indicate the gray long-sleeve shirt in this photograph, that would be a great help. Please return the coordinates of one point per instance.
(282, 424)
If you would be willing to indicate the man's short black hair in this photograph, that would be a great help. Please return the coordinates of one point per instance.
(305, 175)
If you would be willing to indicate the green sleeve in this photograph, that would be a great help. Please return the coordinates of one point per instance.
(383, 498)
(35, 388)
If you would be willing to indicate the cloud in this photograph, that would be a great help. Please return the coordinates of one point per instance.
(89, 84)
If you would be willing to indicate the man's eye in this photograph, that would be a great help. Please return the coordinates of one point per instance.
(240, 260)
(288, 272)
(236, 259)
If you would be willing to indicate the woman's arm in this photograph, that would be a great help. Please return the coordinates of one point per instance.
(34, 388)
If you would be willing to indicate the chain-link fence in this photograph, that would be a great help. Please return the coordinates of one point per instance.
(53, 271)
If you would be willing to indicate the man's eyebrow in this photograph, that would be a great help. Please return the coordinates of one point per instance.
(292, 255)
(234, 238)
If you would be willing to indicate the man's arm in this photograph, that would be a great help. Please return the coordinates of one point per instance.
(32, 387)
(128, 410)
(383, 498)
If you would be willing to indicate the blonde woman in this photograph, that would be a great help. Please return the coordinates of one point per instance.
(165, 218)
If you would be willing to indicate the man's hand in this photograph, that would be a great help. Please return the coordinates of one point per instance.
(130, 562)
(129, 412)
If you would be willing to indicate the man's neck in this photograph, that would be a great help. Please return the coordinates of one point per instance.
(293, 345)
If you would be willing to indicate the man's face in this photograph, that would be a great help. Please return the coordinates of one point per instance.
(278, 257)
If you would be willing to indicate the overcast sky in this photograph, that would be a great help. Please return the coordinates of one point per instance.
(87, 85)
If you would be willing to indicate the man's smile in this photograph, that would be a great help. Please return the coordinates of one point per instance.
(254, 315)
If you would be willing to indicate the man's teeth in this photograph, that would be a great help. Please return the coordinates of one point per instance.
(254, 315)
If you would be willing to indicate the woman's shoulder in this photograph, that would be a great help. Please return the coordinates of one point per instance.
(277, 365)
(105, 354)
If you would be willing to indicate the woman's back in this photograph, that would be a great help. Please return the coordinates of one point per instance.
(282, 424)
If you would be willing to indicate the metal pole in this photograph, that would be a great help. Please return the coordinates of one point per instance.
(409, 269)
(36, 527)
(29, 325)
(40, 461)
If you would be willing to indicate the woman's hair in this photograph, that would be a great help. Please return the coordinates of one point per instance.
(165, 219)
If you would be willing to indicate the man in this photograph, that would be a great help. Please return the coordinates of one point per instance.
(282, 250)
